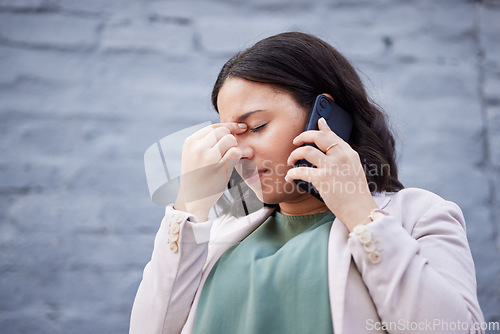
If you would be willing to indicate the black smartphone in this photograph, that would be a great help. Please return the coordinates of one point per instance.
(339, 120)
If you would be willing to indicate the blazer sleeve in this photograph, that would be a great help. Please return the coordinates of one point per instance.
(419, 270)
(171, 279)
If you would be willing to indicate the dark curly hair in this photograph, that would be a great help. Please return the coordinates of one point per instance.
(306, 66)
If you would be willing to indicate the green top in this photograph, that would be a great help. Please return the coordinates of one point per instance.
(274, 281)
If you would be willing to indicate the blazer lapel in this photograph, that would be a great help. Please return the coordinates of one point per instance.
(223, 236)
(339, 268)
(339, 259)
(231, 231)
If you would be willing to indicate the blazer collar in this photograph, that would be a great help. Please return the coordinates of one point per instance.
(382, 199)
(233, 230)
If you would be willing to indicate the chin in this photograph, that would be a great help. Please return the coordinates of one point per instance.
(275, 195)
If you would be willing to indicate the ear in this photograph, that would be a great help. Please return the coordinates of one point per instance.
(328, 96)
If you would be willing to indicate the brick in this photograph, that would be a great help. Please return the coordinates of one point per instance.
(46, 143)
(187, 11)
(48, 30)
(168, 38)
(79, 323)
(496, 209)
(491, 3)
(486, 258)
(33, 213)
(24, 322)
(367, 35)
(38, 248)
(49, 138)
(103, 178)
(490, 41)
(234, 34)
(434, 31)
(182, 10)
(110, 216)
(491, 83)
(454, 22)
(114, 7)
(493, 118)
(397, 19)
(33, 94)
(102, 251)
(489, 27)
(58, 67)
(81, 290)
(437, 82)
(435, 161)
(426, 46)
(127, 222)
(354, 45)
(8, 70)
(127, 82)
(15, 297)
(29, 176)
(22, 4)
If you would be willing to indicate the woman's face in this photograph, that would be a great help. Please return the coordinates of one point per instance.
(274, 119)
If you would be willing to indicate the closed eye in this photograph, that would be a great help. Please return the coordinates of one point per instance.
(258, 128)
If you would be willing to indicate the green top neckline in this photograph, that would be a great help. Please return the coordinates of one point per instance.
(300, 218)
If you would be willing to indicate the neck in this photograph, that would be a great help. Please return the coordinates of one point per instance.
(305, 204)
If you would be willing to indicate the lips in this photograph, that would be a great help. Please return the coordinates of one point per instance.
(248, 173)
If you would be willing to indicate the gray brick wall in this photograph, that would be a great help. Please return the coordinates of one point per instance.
(87, 86)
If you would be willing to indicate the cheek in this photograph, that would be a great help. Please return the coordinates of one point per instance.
(277, 142)
(284, 143)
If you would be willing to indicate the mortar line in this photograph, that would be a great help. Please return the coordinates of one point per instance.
(485, 164)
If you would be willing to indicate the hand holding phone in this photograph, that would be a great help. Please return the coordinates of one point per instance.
(339, 121)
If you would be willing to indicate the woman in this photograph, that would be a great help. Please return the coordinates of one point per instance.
(368, 257)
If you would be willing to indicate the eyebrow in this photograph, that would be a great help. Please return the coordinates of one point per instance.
(248, 114)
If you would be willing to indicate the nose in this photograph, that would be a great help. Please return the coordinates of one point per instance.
(246, 148)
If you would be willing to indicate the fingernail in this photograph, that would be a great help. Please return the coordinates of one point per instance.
(242, 125)
(323, 120)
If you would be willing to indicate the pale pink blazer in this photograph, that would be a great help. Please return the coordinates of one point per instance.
(423, 282)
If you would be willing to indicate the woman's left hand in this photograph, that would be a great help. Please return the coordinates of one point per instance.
(339, 176)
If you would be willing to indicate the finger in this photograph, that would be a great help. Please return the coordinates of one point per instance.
(235, 128)
(215, 135)
(307, 174)
(230, 160)
(306, 137)
(325, 128)
(309, 153)
(232, 156)
(323, 125)
(224, 144)
(322, 139)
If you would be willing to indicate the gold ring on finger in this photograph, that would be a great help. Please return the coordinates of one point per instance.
(330, 147)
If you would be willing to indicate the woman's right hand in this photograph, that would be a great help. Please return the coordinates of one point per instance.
(208, 159)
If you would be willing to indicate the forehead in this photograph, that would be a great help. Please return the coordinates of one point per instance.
(238, 97)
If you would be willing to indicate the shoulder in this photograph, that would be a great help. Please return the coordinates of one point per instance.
(413, 205)
(415, 196)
